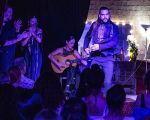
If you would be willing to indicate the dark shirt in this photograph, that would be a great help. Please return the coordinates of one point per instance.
(7, 53)
(8, 32)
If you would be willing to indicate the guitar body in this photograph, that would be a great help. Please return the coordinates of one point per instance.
(62, 60)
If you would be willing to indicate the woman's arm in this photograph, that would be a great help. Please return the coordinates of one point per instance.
(38, 36)
(13, 41)
(78, 56)
(24, 42)
(28, 35)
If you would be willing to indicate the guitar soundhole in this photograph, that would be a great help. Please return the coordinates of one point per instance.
(67, 62)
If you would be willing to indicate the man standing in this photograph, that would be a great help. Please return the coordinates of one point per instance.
(8, 39)
(100, 42)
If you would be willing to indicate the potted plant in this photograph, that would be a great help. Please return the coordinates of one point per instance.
(132, 48)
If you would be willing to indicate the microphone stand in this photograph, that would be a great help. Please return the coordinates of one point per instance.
(145, 28)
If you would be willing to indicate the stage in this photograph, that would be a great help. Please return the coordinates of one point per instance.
(131, 75)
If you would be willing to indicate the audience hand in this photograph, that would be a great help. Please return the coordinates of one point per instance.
(22, 36)
(17, 25)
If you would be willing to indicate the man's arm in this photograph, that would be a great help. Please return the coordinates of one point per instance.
(108, 43)
(14, 32)
(13, 41)
(8, 35)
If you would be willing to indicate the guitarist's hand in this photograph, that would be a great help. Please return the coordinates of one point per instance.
(68, 63)
(59, 65)
(84, 62)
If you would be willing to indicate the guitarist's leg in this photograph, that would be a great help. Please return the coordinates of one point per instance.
(63, 79)
(77, 77)
(67, 82)
(71, 82)
(70, 76)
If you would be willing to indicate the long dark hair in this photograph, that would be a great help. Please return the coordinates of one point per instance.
(70, 38)
(14, 74)
(115, 98)
(91, 81)
(74, 109)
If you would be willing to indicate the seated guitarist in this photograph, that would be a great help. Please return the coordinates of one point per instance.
(68, 52)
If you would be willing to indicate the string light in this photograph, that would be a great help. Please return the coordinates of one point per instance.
(131, 31)
(131, 23)
(123, 23)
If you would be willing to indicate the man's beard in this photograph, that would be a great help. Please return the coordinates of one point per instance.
(102, 22)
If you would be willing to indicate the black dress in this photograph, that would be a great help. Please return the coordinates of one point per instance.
(33, 58)
(7, 53)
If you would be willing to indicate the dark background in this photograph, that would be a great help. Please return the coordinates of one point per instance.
(58, 18)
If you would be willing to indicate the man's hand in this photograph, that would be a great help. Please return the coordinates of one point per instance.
(87, 50)
(94, 47)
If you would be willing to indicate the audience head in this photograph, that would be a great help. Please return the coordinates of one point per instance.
(115, 98)
(20, 62)
(95, 67)
(8, 103)
(50, 89)
(47, 114)
(74, 109)
(91, 81)
(14, 75)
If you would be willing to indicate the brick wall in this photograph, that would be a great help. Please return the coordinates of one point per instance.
(129, 11)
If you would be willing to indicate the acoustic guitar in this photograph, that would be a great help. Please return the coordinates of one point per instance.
(63, 59)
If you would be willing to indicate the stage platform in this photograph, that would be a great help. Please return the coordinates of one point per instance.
(131, 75)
